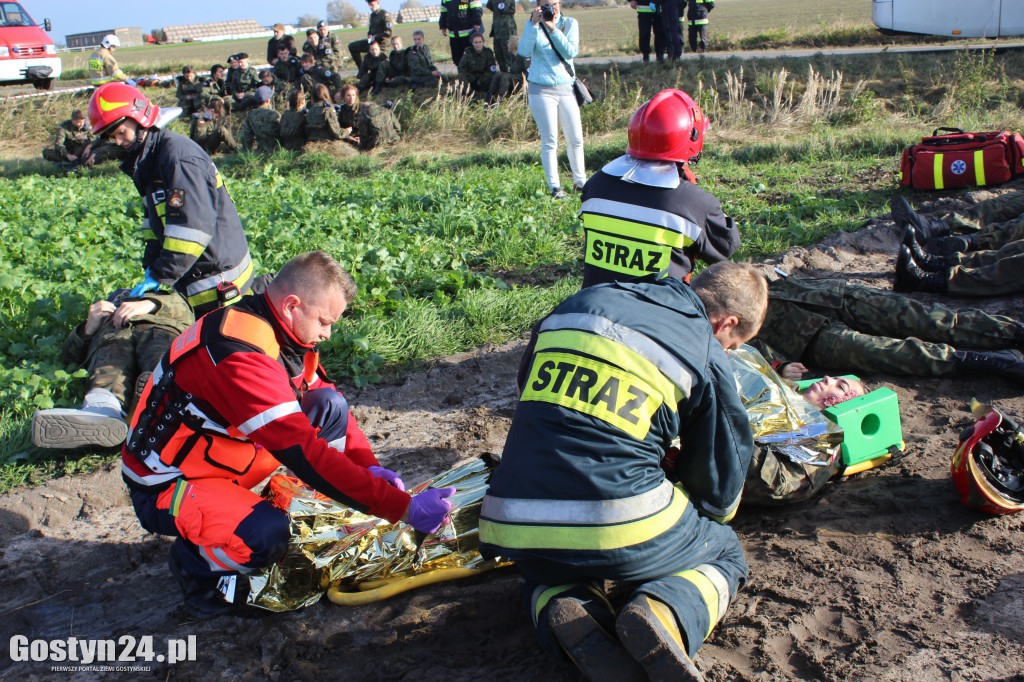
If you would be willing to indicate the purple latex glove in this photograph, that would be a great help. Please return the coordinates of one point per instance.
(428, 510)
(388, 475)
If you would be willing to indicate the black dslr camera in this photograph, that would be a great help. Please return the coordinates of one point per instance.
(547, 12)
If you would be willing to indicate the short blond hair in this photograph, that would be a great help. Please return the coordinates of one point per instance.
(734, 289)
(310, 274)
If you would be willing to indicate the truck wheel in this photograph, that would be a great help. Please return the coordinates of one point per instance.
(43, 84)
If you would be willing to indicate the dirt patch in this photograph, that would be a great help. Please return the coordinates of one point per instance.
(884, 577)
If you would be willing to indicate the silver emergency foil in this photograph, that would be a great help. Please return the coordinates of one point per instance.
(332, 544)
(779, 417)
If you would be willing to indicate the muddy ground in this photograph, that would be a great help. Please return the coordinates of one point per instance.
(883, 577)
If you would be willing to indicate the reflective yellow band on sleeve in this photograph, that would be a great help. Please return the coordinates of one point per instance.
(220, 180)
(149, 235)
(614, 353)
(594, 538)
(979, 167)
(182, 246)
(937, 171)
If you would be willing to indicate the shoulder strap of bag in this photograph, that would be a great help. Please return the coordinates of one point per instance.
(564, 63)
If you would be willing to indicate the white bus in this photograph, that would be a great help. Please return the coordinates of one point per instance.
(959, 18)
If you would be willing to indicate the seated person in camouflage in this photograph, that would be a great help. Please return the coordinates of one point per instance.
(245, 85)
(120, 343)
(419, 62)
(189, 92)
(312, 43)
(287, 69)
(375, 125)
(507, 83)
(832, 324)
(394, 72)
(293, 122)
(368, 71)
(312, 75)
(210, 130)
(986, 261)
(322, 119)
(231, 77)
(478, 67)
(262, 127)
(326, 52)
(74, 144)
(216, 85)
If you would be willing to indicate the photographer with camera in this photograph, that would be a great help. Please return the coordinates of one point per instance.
(548, 38)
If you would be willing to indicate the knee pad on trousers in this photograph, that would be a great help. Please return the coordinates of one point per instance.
(266, 532)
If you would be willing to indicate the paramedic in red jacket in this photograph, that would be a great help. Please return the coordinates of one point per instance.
(240, 393)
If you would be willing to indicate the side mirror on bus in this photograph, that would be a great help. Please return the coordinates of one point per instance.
(47, 26)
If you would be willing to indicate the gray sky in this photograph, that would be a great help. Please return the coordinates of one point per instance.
(82, 16)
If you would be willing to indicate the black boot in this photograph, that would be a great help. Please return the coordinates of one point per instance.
(1008, 363)
(950, 246)
(925, 260)
(904, 215)
(203, 598)
(909, 277)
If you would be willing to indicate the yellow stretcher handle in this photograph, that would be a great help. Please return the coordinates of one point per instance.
(866, 464)
(391, 588)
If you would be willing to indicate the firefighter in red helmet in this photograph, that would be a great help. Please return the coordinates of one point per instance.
(194, 238)
(643, 214)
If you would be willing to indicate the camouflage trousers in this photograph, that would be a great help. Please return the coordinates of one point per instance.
(988, 273)
(506, 84)
(878, 331)
(121, 360)
(994, 222)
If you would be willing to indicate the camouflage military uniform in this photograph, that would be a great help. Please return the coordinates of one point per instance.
(477, 69)
(190, 95)
(368, 71)
(69, 140)
(379, 28)
(316, 75)
(503, 27)
(262, 128)
(507, 83)
(288, 72)
(231, 80)
(322, 123)
(211, 135)
(421, 66)
(377, 126)
(993, 222)
(326, 52)
(395, 68)
(293, 130)
(829, 323)
(121, 360)
(988, 273)
(216, 88)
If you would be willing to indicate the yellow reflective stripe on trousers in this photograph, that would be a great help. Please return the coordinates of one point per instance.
(642, 231)
(596, 538)
(707, 592)
(594, 388)
(210, 295)
(937, 171)
(543, 594)
(615, 353)
(979, 167)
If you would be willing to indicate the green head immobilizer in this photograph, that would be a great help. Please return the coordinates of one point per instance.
(872, 432)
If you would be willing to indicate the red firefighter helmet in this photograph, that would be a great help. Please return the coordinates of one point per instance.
(988, 465)
(670, 127)
(111, 103)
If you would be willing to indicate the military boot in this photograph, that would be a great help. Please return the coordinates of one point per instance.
(909, 277)
(99, 422)
(951, 246)
(649, 631)
(925, 260)
(590, 644)
(904, 215)
(1008, 363)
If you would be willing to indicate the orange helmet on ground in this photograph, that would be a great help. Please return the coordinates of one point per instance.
(988, 465)
(670, 127)
(111, 103)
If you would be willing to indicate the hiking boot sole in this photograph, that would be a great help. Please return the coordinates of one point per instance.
(650, 642)
(75, 429)
(596, 653)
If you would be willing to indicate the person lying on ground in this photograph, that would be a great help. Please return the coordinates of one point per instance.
(833, 324)
(120, 343)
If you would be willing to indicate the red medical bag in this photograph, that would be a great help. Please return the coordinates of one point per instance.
(961, 159)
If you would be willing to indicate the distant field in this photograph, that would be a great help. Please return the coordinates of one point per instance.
(603, 31)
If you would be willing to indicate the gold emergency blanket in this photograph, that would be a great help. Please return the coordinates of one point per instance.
(780, 418)
(334, 544)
